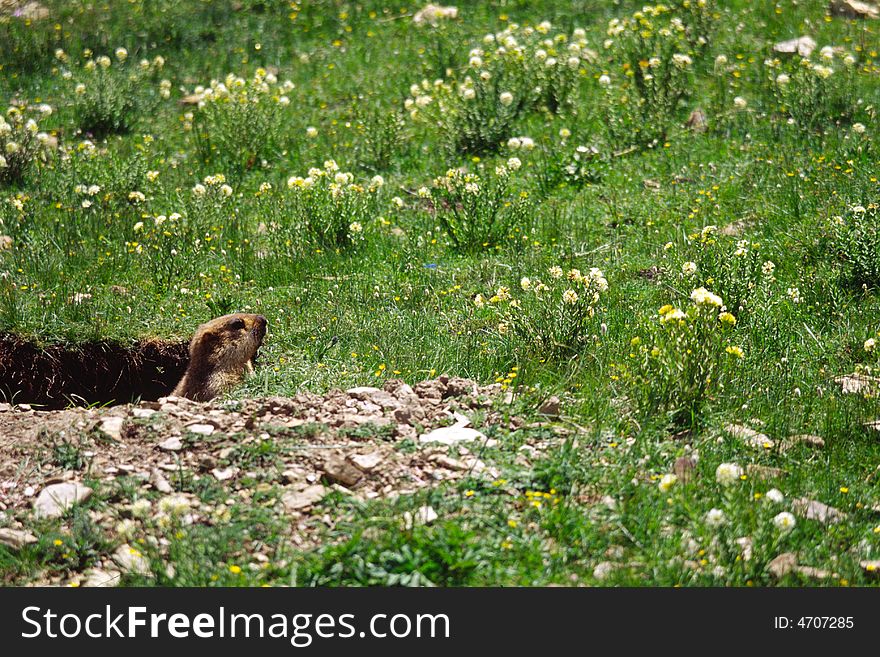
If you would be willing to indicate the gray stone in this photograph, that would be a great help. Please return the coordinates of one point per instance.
(201, 429)
(377, 396)
(173, 444)
(782, 564)
(112, 427)
(366, 462)
(15, 539)
(99, 578)
(816, 442)
(855, 9)
(802, 46)
(54, 500)
(224, 474)
(298, 500)
(813, 510)
(764, 472)
(424, 515)
(131, 560)
(684, 468)
(551, 407)
(159, 482)
(749, 437)
(856, 383)
(451, 435)
(340, 471)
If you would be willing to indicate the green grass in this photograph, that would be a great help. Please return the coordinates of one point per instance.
(399, 301)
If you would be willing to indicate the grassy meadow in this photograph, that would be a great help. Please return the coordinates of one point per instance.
(646, 211)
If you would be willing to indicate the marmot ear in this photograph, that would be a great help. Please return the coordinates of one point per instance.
(204, 341)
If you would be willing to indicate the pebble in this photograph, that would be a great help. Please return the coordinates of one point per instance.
(54, 500)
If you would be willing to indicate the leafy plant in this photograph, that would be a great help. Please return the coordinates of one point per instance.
(551, 320)
(239, 121)
(477, 210)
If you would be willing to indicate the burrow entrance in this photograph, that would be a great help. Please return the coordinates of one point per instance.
(99, 372)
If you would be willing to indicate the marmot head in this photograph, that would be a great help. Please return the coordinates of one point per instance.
(228, 343)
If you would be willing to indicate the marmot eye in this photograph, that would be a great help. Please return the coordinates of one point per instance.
(237, 324)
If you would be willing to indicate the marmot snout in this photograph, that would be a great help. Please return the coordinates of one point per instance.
(221, 352)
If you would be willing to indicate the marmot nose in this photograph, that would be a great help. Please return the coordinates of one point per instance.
(261, 324)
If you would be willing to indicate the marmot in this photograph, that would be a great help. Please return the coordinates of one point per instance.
(221, 352)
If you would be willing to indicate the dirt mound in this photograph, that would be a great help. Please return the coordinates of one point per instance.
(343, 440)
(136, 466)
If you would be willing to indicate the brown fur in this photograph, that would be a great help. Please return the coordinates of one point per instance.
(221, 352)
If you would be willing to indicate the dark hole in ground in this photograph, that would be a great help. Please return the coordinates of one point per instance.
(98, 372)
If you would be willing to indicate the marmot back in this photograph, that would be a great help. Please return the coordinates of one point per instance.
(220, 354)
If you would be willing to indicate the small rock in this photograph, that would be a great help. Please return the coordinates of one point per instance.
(303, 499)
(749, 436)
(223, 475)
(461, 420)
(451, 435)
(697, 121)
(32, 11)
(401, 390)
(448, 462)
(424, 515)
(432, 14)
(816, 442)
(142, 413)
(338, 470)
(856, 383)
(803, 46)
(366, 462)
(609, 502)
(431, 389)
(173, 444)
(684, 468)
(97, 577)
(410, 414)
(54, 500)
(207, 462)
(201, 429)
(764, 472)
(813, 510)
(15, 539)
(293, 476)
(855, 9)
(815, 573)
(745, 544)
(159, 482)
(551, 407)
(112, 427)
(5, 242)
(131, 560)
(735, 228)
(459, 387)
(604, 569)
(377, 396)
(782, 565)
